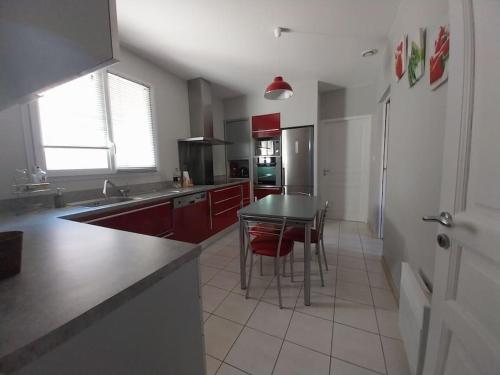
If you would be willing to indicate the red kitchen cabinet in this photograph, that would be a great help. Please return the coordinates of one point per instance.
(265, 126)
(153, 219)
(192, 223)
(224, 206)
(245, 192)
(261, 192)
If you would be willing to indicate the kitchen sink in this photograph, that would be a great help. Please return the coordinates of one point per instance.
(104, 201)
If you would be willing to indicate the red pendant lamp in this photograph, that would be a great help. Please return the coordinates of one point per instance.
(279, 89)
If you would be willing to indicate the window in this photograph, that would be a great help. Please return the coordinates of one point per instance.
(100, 122)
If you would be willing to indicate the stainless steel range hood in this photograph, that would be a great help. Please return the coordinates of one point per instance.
(200, 114)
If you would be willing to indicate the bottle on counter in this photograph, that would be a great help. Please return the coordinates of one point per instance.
(176, 178)
(59, 200)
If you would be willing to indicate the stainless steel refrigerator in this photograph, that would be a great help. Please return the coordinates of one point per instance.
(297, 150)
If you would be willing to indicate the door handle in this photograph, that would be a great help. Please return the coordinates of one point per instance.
(444, 219)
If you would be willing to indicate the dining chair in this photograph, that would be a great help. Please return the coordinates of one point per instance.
(270, 243)
(297, 234)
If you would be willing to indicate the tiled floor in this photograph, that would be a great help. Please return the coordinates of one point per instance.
(349, 329)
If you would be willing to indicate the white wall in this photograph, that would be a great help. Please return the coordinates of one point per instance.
(348, 102)
(416, 136)
(172, 122)
(299, 110)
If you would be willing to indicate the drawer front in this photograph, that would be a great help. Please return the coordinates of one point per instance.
(224, 219)
(226, 204)
(152, 220)
(219, 195)
(246, 190)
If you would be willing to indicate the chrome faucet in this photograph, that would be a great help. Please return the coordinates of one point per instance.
(123, 192)
(105, 188)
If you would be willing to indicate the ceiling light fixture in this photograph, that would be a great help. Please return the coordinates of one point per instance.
(369, 52)
(279, 89)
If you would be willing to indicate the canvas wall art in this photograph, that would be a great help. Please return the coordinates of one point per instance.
(416, 56)
(400, 58)
(440, 54)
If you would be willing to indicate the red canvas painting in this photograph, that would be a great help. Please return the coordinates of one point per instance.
(438, 62)
(400, 58)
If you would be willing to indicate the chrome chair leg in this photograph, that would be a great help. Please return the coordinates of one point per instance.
(319, 264)
(291, 265)
(284, 266)
(261, 272)
(276, 269)
(249, 275)
(324, 254)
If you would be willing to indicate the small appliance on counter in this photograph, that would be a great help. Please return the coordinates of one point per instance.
(238, 169)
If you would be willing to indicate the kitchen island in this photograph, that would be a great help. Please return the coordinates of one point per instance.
(96, 300)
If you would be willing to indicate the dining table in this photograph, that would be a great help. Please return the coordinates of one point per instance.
(298, 210)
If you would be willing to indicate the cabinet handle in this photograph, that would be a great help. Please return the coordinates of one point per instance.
(227, 199)
(126, 212)
(230, 187)
(229, 209)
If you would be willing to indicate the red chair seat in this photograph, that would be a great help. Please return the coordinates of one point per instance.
(267, 246)
(297, 234)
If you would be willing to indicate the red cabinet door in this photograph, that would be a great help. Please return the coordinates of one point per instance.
(245, 189)
(192, 223)
(264, 192)
(224, 206)
(153, 220)
(265, 126)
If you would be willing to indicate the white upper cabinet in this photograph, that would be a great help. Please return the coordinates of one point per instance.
(44, 43)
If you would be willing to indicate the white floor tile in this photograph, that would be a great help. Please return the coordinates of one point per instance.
(384, 299)
(226, 369)
(339, 367)
(358, 347)
(321, 306)
(352, 275)
(374, 265)
(212, 297)
(205, 316)
(224, 280)
(395, 357)
(352, 262)
(216, 261)
(212, 365)
(235, 307)
(206, 273)
(297, 360)
(257, 288)
(289, 292)
(357, 315)
(270, 319)
(254, 352)
(388, 323)
(354, 292)
(311, 332)
(220, 334)
(378, 280)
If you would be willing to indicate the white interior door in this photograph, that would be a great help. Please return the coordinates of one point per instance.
(344, 163)
(464, 335)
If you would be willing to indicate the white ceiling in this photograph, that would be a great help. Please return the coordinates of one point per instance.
(231, 42)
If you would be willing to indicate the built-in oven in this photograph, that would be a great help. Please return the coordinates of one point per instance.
(268, 147)
(267, 171)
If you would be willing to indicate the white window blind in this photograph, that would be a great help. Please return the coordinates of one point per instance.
(132, 123)
(73, 125)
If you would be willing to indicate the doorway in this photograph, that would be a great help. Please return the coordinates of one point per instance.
(385, 143)
(344, 167)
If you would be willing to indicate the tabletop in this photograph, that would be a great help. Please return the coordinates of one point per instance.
(293, 207)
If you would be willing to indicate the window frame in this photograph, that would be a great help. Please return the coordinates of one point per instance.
(35, 136)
